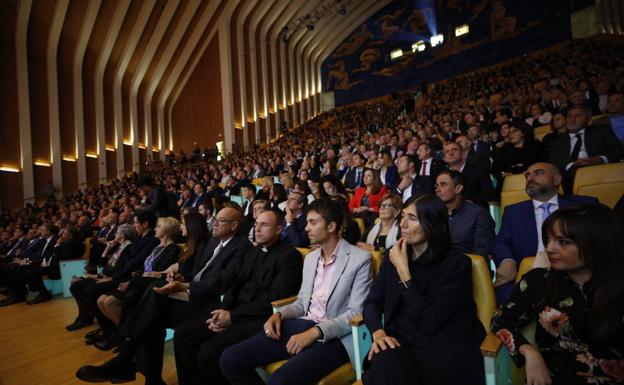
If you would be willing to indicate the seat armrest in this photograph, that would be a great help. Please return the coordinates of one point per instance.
(357, 320)
(282, 302)
(490, 345)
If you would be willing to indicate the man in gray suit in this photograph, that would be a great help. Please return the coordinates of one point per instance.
(313, 332)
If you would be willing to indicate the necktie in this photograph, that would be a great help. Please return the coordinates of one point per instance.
(198, 276)
(423, 170)
(577, 147)
(546, 207)
(357, 178)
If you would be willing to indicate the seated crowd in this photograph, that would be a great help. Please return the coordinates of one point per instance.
(172, 248)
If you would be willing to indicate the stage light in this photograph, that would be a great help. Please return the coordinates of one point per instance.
(418, 46)
(462, 30)
(395, 54)
(437, 39)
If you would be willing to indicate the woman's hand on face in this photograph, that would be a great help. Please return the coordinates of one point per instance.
(398, 257)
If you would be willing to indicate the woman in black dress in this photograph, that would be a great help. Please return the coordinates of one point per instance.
(420, 310)
(578, 303)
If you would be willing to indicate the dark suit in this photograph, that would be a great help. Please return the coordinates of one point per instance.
(518, 234)
(157, 202)
(350, 178)
(139, 250)
(198, 199)
(295, 234)
(598, 140)
(249, 215)
(22, 275)
(435, 312)
(391, 179)
(263, 277)
(97, 248)
(156, 312)
(425, 184)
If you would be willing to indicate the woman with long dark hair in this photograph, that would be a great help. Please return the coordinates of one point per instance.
(578, 304)
(420, 310)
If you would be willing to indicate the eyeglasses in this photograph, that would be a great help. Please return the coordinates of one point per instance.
(386, 206)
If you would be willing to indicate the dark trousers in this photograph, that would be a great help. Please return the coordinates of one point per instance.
(238, 362)
(407, 366)
(198, 349)
(34, 279)
(91, 295)
(78, 289)
(17, 280)
(145, 328)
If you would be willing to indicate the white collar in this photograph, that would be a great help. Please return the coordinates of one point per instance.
(581, 131)
(553, 201)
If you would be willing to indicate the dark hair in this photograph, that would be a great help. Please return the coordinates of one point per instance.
(146, 217)
(596, 232)
(279, 216)
(280, 192)
(433, 217)
(53, 229)
(145, 180)
(196, 232)
(506, 111)
(331, 178)
(207, 203)
(456, 176)
(527, 131)
(330, 210)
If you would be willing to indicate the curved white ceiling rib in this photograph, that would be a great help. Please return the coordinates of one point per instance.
(83, 39)
(128, 49)
(23, 99)
(60, 11)
(146, 59)
(102, 60)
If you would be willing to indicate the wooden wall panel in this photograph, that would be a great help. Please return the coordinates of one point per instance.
(42, 176)
(127, 154)
(12, 191)
(70, 177)
(251, 133)
(38, 35)
(239, 138)
(197, 115)
(66, 51)
(111, 164)
(9, 129)
(93, 175)
(263, 133)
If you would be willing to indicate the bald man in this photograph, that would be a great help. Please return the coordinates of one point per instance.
(520, 235)
(171, 303)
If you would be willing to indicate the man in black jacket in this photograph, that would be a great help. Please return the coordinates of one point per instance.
(156, 196)
(478, 186)
(173, 302)
(583, 145)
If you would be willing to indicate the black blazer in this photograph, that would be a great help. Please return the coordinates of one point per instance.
(46, 251)
(122, 261)
(138, 251)
(263, 277)
(222, 270)
(599, 141)
(166, 258)
(438, 304)
(350, 178)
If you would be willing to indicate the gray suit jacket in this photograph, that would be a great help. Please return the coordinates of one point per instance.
(350, 283)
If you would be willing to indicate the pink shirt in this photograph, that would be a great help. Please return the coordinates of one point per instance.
(320, 289)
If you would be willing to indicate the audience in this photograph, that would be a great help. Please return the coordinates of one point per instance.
(294, 232)
(365, 201)
(577, 303)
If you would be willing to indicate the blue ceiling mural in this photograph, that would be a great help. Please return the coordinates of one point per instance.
(360, 67)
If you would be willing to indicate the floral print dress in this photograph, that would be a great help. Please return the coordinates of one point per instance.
(562, 330)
